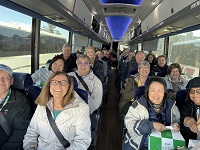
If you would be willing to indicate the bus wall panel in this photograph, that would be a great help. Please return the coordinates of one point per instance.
(180, 4)
(68, 4)
(149, 22)
(82, 11)
(168, 8)
(101, 32)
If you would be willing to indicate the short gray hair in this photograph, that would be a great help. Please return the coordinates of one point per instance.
(66, 45)
(144, 63)
(83, 56)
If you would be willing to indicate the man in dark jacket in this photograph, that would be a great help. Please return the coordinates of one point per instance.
(15, 111)
(69, 57)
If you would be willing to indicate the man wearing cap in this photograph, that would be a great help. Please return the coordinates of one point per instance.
(190, 112)
(15, 112)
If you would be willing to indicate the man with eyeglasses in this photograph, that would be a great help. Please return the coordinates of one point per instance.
(15, 112)
(190, 112)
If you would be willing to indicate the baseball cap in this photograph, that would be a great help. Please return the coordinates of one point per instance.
(6, 68)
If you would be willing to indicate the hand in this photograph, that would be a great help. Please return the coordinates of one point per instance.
(191, 123)
(176, 127)
(159, 126)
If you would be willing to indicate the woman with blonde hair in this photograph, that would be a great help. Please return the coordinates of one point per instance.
(69, 112)
(96, 64)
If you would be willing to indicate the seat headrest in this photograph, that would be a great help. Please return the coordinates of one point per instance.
(21, 81)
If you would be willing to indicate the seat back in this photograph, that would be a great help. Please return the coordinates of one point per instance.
(139, 91)
(180, 98)
(22, 81)
(82, 93)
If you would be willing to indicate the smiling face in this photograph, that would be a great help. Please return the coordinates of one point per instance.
(156, 92)
(175, 74)
(66, 52)
(83, 66)
(194, 94)
(90, 53)
(5, 82)
(161, 61)
(59, 86)
(143, 71)
(58, 65)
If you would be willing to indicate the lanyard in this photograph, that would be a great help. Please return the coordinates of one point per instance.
(6, 99)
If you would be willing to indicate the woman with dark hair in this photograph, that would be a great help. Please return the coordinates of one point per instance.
(41, 75)
(161, 68)
(173, 79)
(153, 111)
(150, 57)
(69, 112)
(190, 112)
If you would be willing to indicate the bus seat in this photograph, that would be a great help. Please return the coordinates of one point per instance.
(139, 91)
(22, 81)
(82, 93)
(180, 98)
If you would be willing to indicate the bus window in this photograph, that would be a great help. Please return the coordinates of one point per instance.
(52, 39)
(15, 40)
(185, 50)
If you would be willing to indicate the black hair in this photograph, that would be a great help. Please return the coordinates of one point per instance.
(159, 80)
(55, 58)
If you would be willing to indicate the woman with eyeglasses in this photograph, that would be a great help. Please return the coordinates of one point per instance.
(94, 84)
(68, 110)
(190, 112)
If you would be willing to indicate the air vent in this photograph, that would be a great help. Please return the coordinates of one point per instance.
(119, 10)
(56, 18)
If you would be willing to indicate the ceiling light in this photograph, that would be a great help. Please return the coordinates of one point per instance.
(115, 26)
(133, 2)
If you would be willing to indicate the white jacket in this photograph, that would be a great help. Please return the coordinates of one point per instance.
(73, 122)
(95, 87)
(41, 76)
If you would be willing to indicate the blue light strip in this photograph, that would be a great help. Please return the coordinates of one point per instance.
(118, 26)
(133, 2)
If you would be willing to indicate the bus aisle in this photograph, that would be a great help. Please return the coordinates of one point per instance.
(109, 131)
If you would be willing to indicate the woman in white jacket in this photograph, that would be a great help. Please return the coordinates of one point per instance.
(41, 75)
(70, 112)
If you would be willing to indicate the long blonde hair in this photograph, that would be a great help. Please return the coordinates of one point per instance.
(92, 48)
(45, 94)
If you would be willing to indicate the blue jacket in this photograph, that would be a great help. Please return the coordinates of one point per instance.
(140, 117)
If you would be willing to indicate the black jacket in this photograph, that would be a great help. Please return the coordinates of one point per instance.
(98, 69)
(18, 114)
(188, 110)
(70, 63)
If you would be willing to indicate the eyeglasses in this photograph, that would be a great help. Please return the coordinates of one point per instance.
(62, 83)
(83, 63)
(5, 78)
(194, 91)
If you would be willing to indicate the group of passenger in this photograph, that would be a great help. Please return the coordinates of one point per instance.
(70, 113)
(156, 108)
(71, 125)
